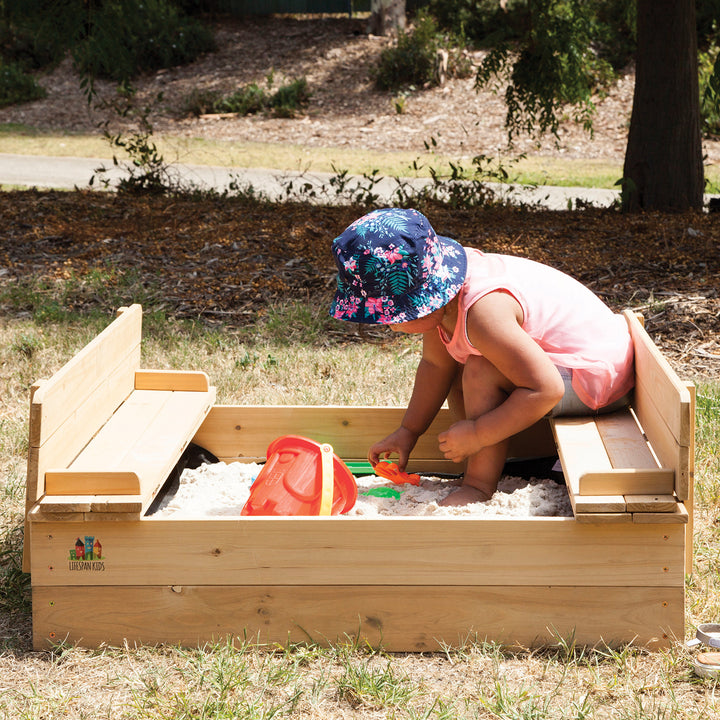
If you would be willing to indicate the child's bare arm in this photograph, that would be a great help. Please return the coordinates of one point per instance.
(433, 379)
(533, 384)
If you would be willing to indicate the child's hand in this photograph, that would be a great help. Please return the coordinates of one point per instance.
(459, 441)
(400, 442)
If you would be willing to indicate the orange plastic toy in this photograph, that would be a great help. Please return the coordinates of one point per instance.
(301, 477)
(390, 471)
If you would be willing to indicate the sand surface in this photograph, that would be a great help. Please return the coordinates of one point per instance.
(221, 490)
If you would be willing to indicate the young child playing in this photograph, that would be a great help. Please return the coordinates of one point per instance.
(505, 340)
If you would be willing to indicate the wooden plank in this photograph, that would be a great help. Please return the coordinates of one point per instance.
(70, 437)
(80, 377)
(624, 442)
(189, 381)
(245, 431)
(679, 516)
(69, 504)
(689, 501)
(670, 454)
(599, 504)
(653, 372)
(598, 518)
(581, 449)
(92, 503)
(90, 482)
(527, 616)
(628, 482)
(134, 452)
(651, 503)
(357, 551)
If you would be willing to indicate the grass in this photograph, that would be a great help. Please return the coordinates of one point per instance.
(24, 140)
(532, 170)
(296, 355)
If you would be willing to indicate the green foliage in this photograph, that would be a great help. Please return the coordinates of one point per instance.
(484, 22)
(411, 61)
(553, 67)
(128, 37)
(17, 86)
(709, 62)
(147, 171)
(115, 39)
(250, 99)
(37, 33)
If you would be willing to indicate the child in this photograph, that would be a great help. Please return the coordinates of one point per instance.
(506, 340)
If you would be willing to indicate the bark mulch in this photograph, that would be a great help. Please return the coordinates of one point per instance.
(226, 260)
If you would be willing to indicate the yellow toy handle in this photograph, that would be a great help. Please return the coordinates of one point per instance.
(328, 479)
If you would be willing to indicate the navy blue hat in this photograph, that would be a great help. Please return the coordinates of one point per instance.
(393, 268)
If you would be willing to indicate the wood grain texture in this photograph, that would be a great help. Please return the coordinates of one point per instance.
(360, 551)
(401, 619)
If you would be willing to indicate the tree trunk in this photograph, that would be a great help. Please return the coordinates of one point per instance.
(387, 16)
(663, 161)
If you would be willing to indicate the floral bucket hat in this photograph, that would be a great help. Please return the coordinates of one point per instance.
(393, 268)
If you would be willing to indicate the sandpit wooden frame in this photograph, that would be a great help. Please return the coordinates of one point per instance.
(104, 434)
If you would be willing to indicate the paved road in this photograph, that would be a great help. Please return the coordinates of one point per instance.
(69, 173)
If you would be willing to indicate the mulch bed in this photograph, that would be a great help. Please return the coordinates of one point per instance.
(227, 260)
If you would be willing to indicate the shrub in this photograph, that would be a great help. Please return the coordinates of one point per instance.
(290, 98)
(411, 61)
(247, 100)
(17, 86)
(127, 37)
(251, 99)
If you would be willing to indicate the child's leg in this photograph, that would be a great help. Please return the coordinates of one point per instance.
(483, 389)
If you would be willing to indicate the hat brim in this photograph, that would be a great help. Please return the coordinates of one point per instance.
(437, 291)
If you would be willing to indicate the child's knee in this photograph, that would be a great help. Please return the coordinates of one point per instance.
(480, 375)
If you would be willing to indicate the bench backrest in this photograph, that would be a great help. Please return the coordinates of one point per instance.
(67, 410)
(665, 408)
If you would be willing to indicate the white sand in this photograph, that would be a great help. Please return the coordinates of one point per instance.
(221, 489)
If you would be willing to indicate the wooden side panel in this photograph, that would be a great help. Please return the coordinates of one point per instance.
(244, 432)
(664, 406)
(359, 551)
(379, 615)
(67, 410)
(80, 377)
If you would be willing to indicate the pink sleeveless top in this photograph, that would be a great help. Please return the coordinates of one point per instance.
(566, 319)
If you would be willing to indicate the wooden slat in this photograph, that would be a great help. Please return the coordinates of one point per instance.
(651, 503)
(679, 516)
(669, 393)
(599, 504)
(581, 449)
(90, 482)
(628, 482)
(80, 377)
(245, 431)
(357, 551)
(624, 442)
(671, 454)
(134, 452)
(599, 518)
(171, 380)
(124, 504)
(689, 501)
(664, 407)
(519, 615)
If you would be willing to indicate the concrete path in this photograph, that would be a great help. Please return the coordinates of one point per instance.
(69, 173)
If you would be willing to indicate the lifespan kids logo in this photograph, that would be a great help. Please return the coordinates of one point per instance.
(87, 555)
